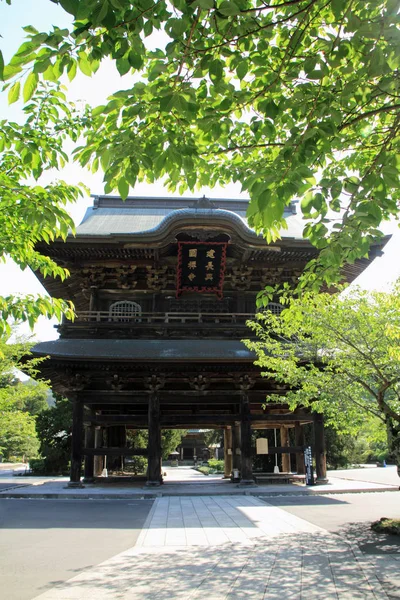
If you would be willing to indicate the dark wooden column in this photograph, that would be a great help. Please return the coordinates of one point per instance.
(299, 441)
(77, 435)
(227, 452)
(98, 460)
(116, 438)
(320, 450)
(154, 445)
(285, 457)
(236, 448)
(88, 471)
(246, 475)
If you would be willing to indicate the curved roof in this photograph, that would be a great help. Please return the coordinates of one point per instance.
(140, 217)
(145, 350)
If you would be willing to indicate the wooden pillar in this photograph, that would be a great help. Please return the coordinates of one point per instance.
(299, 441)
(154, 446)
(285, 457)
(116, 438)
(98, 465)
(88, 471)
(93, 298)
(320, 451)
(227, 452)
(76, 445)
(236, 448)
(246, 475)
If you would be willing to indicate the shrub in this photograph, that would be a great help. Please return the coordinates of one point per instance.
(204, 470)
(216, 466)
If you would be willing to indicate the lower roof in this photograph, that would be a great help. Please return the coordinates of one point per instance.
(146, 350)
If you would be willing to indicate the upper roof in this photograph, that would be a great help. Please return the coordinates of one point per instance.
(141, 216)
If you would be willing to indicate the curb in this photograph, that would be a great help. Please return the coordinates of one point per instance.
(150, 496)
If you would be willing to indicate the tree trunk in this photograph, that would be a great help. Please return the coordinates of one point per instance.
(393, 434)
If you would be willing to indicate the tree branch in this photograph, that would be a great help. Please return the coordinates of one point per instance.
(369, 113)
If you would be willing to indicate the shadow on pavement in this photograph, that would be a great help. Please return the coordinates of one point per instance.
(368, 540)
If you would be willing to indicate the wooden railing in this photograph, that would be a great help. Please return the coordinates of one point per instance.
(157, 318)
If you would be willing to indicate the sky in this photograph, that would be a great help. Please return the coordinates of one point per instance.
(42, 14)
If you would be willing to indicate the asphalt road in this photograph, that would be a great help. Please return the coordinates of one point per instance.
(349, 515)
(44, 542)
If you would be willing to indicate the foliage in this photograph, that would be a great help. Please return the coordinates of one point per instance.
(204, 470)
(19, 402)
(34, 213)
(170, 439)
(385, 525)
(54, 429)
(137, 464)
(17, 434)
(368, 444)
(293, 99)
(216, 466)
(214, 436)
(336, 354)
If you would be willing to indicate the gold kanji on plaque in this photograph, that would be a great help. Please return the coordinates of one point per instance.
(192, 252)
(209, 266)
(191, 276)
(192, 264)
(209, 276)
(210, 254)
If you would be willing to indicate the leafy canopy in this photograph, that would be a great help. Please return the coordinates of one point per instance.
(339, 355)
(20, 403)
(291, 98)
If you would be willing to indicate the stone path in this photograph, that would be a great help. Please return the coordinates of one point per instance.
(229, 548)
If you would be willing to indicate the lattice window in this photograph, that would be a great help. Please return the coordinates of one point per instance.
(125, 310)
(275, 308)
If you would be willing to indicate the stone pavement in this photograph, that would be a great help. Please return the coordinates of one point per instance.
(232, 548)
(185, 481)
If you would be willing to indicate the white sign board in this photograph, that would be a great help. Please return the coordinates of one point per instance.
(262, 446)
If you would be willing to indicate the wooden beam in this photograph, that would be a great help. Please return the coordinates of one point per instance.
(194, 419)
(175, 395)
(115, 451)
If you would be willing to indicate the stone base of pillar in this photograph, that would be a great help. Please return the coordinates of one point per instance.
(153, 483)
(74, 485)
(247, 483)
(321, 481)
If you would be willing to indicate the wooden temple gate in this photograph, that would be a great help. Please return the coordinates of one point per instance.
(163, 291)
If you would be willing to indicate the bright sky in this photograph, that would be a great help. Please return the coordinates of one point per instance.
(42, 14)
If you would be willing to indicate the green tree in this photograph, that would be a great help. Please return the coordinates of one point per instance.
(33, 213)
(54, 430)
(291, 98)
(19, 402)
(338, 355)
(18, 437)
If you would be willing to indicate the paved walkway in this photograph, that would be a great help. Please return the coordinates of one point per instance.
(236, 548)
(185, 481)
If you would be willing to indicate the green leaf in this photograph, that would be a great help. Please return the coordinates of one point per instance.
(242, 68)
(216, 70)
(123, 65)
(167, 103)
(229, 8)
(11, 70)
(206, 4)
(14, 92)
(30, 86)
(123, 188)
(135, 59)
(1, 66)
(71, 70)
(71, 6)
(84, 64)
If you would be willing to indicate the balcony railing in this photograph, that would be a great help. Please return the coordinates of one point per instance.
(98, 316)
